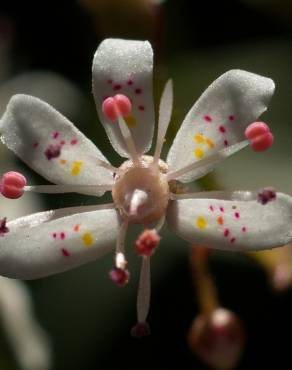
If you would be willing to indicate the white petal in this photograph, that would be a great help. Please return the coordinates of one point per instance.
(219, 118)
(28, 340)
(41, 244)
(30, 127)
(125, 67)
(241, 223)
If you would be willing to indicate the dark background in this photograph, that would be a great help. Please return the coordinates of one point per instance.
(87, 318)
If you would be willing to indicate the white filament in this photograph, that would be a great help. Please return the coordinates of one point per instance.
(144, 291)
(120, 260)
(211, 160)
(126, 133)
(61, 189)
(165, 110)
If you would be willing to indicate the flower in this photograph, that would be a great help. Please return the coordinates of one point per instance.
(143, 187)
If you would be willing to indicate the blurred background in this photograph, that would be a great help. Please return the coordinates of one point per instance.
(46, 50)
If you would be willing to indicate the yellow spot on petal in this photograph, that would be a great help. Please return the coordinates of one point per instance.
(210, 143)
(87, 239)
(201, 223)
(63, 161)
(130, 121)
(76, 168)
(199, 153)
(199, 139)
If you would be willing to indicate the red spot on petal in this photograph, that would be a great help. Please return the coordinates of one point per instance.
(226, 142)
(226, 232)
(35, 145)
(73, 142)
(65, 252)
(62, 142)
(138, 91)
(231, 117)
(54, 235)
(55, 134)
(141, 107)
(109, 81)
(130, 82)
(222, 129)
(62, 235)
(243, 229)
(236, 215)
(208, 118)
(117, 87)
(211, 208)
(221, 209)
(232, 240)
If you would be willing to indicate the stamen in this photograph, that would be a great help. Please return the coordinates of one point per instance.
(147, 242)
(115, 108)
(12, 185)
(165, 110)
(143, 300)
(260, 136)
(61, 189)
(106, 165)
(129, 140)
(212, 159)
(119, 276)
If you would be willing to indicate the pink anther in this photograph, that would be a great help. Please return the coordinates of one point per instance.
(12, 185)
(147, 242)
(260, 136)
(119, 276)
(116, 106)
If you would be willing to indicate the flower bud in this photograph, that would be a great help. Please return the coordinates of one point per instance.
(218, 339)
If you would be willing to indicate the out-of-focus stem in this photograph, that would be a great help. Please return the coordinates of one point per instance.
(203, 282)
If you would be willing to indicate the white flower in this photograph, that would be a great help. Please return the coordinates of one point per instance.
(143, 187)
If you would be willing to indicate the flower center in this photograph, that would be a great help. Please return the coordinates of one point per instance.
(141, 193)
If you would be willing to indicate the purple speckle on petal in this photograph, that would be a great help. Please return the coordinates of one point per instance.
(52, 151)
